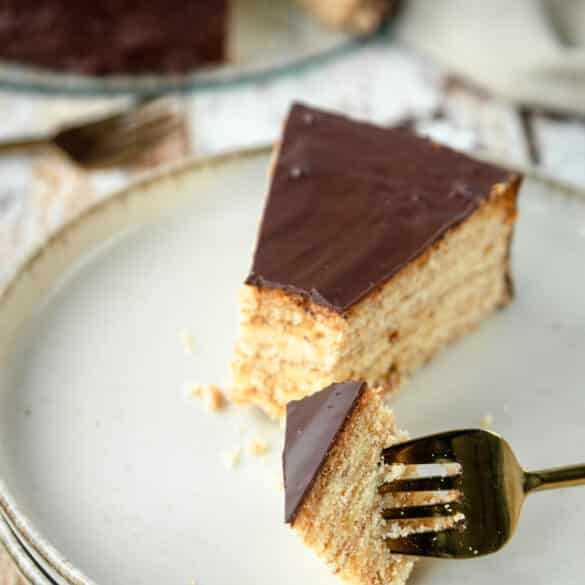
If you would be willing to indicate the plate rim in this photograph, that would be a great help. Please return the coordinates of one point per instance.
(26, 566)
(18, 534)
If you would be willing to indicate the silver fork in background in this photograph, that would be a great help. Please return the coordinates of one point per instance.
(111, 141)
(489, 488)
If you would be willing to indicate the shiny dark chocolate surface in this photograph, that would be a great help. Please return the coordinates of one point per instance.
(312, 425)
(351, 204)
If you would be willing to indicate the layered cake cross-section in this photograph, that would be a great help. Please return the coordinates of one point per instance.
(332, 475)
(376, 249)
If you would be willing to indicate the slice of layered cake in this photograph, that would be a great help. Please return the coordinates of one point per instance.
(377, 248)
(332, 475)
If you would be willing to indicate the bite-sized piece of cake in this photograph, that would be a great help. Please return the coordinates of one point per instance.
(114, 36)
(377, 248)
(332, 474)
(361, 16)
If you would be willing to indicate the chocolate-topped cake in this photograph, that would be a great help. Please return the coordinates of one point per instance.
(114, 36)
(312, 428)
(332, 474)
(132, 36)
(377, 247)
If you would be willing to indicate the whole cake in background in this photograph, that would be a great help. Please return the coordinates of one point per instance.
(108, 36)
(377, 248)
(134, 36)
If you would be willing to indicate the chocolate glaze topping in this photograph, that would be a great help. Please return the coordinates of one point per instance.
(312, 426)
(114, 36)
(351, 204)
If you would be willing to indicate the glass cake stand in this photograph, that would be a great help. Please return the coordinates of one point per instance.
(266, 39)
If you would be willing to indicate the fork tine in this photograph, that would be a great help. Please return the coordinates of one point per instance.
(133, 127)
(433, 449)
(148, 113)
(153, 131)
(133, 123)
(114, 122)
(139, 137)
(426, 511)
(442, 544)
(131, 144)
(91, 128)
(422, 484)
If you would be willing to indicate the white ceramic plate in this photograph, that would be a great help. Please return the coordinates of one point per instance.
(106, 463)
(265, 38)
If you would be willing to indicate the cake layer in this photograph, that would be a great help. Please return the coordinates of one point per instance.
(340, 515)
(289, 347)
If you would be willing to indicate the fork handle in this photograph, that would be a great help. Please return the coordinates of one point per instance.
(549, 479)
(17, 145)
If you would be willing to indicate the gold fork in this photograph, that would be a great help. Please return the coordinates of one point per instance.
(111, 141)
(489, 487)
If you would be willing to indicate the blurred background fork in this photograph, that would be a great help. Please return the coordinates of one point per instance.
(482, 499)
(115, 140)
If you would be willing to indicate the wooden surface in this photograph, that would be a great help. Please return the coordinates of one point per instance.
(384, 84)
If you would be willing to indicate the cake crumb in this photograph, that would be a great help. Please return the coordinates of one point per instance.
(188, 342)
(211, 394)
(451, 468)
(233, 458)
(196, 390)
(214, 398)
(487, 421)
(396, 531)
(394, 472)
(257, 447)
(402, 436)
